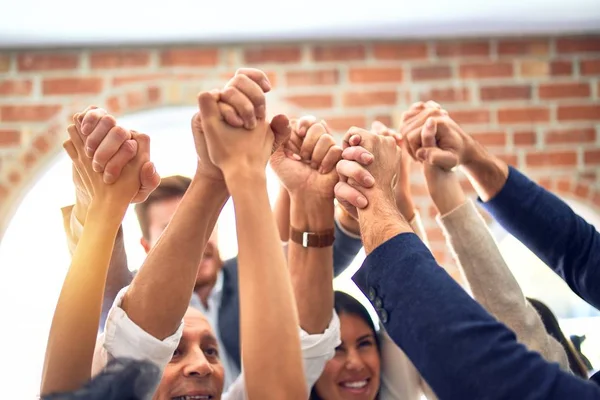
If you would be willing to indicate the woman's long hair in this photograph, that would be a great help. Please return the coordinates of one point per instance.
(346, 304)
(553, 329)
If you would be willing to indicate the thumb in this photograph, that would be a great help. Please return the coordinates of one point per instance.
(428, 132)
(149, 180)
(209, 107)
(280, 125)
(440, 158)
(378, 127)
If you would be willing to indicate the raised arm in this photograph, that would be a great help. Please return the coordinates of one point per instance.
(271, 354)
(415, 297)
(72, 338)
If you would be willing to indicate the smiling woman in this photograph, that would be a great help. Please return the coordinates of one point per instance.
(34, 256)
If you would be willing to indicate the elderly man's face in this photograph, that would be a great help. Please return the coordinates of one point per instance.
(195, 371)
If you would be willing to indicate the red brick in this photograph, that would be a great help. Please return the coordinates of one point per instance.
(339, 53)
(47, 61)
(14, 177)
(448, 95)
(590, 67)
(386, 119)
(581, 190)
(563, 185)
(520, 47)
(400, 51)
(189, 57)
(119, 59)
(10, 138)
(311, 78)
(524, 138)
(583, 44)
(563, 90)
(523, 115)
(591, 176)
(546, 183)
(463, 117)
(551, 159)
(374, 75)
(62, 86)
(490, 138)
(510, 159)
(154, 94)
(113, 104)
(543, 68)
(486, 70)
(127, 79)
(29, 160)
(576, 112)
(561, 136)
(28, 113)
(512, 92)
(14, 87)
(135, 100)
(591, 157)
(462, 49)
(431, 72)
(435, 235)
(41, 144)
(343, 123)
(596, 199)
(367, 99)
(4, 62)
(311, 101)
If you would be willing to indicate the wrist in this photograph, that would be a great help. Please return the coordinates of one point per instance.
(310, 214)
(240, 180)
(379, 224)
(80, 210)
(107, 211)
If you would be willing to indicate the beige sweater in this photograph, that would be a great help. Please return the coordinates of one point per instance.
(492, 285)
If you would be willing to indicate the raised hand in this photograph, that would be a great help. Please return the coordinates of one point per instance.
(306, 162)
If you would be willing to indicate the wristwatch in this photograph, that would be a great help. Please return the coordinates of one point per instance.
(312, 239)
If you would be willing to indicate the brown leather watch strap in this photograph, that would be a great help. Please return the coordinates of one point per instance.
(312, 239)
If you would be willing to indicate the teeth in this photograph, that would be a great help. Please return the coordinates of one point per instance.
(355, 385)
(202, 397)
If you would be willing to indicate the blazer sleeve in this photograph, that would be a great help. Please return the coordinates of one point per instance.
(551, 230)
(460, 350)
(492, 283)
(118, 275)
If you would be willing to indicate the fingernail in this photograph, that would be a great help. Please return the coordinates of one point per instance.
(267, 84)
(96, 166)
(251, 124)
(322, 170)
(85, 128)
(366, 158)
(296, 157)
(261, 111)
(89, 152)
(362, 202)
(108, 178)
(369, 181)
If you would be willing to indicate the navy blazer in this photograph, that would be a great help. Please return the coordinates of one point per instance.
(461, 350)
(552, 231)
(345, 249)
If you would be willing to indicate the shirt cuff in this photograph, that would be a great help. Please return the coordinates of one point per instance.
(344, 230)
(123, 338)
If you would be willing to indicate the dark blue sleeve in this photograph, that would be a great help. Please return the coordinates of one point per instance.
(460, 350)
(551, 230)
(345, 249)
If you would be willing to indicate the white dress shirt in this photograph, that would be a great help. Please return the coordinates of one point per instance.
(123, 338)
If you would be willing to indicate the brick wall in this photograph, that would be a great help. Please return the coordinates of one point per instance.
(533, 101)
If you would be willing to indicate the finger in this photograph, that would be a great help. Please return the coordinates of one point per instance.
(257, 76)
(75, 138)
(313, 135)
(280, 125)
(324, 123)
(353, 170)
(103, 127)
(438, 157)
(358, 154)
(209, 108)
(350, 136)
(122, 157)
(70, 149)
(379, 128)
(252, 91)
(413, 142)
(355, 140)
(109, 146)
(294, 143)
(324, 143)
(143, 153)
(290, 154)
(90, 119)
(333, 156)
(149, 181)
(432, 104)
(304, 123)
(241, 104)
(230, 116)
(428, 132)
(412, 111)
(346, 194)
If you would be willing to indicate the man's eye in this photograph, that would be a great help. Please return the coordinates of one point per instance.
(176, 354)
(211, 352)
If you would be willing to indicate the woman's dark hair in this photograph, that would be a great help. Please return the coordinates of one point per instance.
(553, 329)
(346, 304)
(121, 379)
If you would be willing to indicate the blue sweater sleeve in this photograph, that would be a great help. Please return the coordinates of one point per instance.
(460, 350)
(345, 249)
(550, 229)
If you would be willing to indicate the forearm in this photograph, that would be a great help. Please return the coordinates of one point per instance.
(486, 172)
(267, 309)
(347, 221)
(311, 268)
(161, 291)
(492, 283)
(72, 338)
(282, 213)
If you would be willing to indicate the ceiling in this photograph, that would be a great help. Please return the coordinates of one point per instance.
(37, 23)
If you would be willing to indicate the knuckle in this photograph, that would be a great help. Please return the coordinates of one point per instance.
(119, 134)
(129, 148)
(228, 93)
(108, 120)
